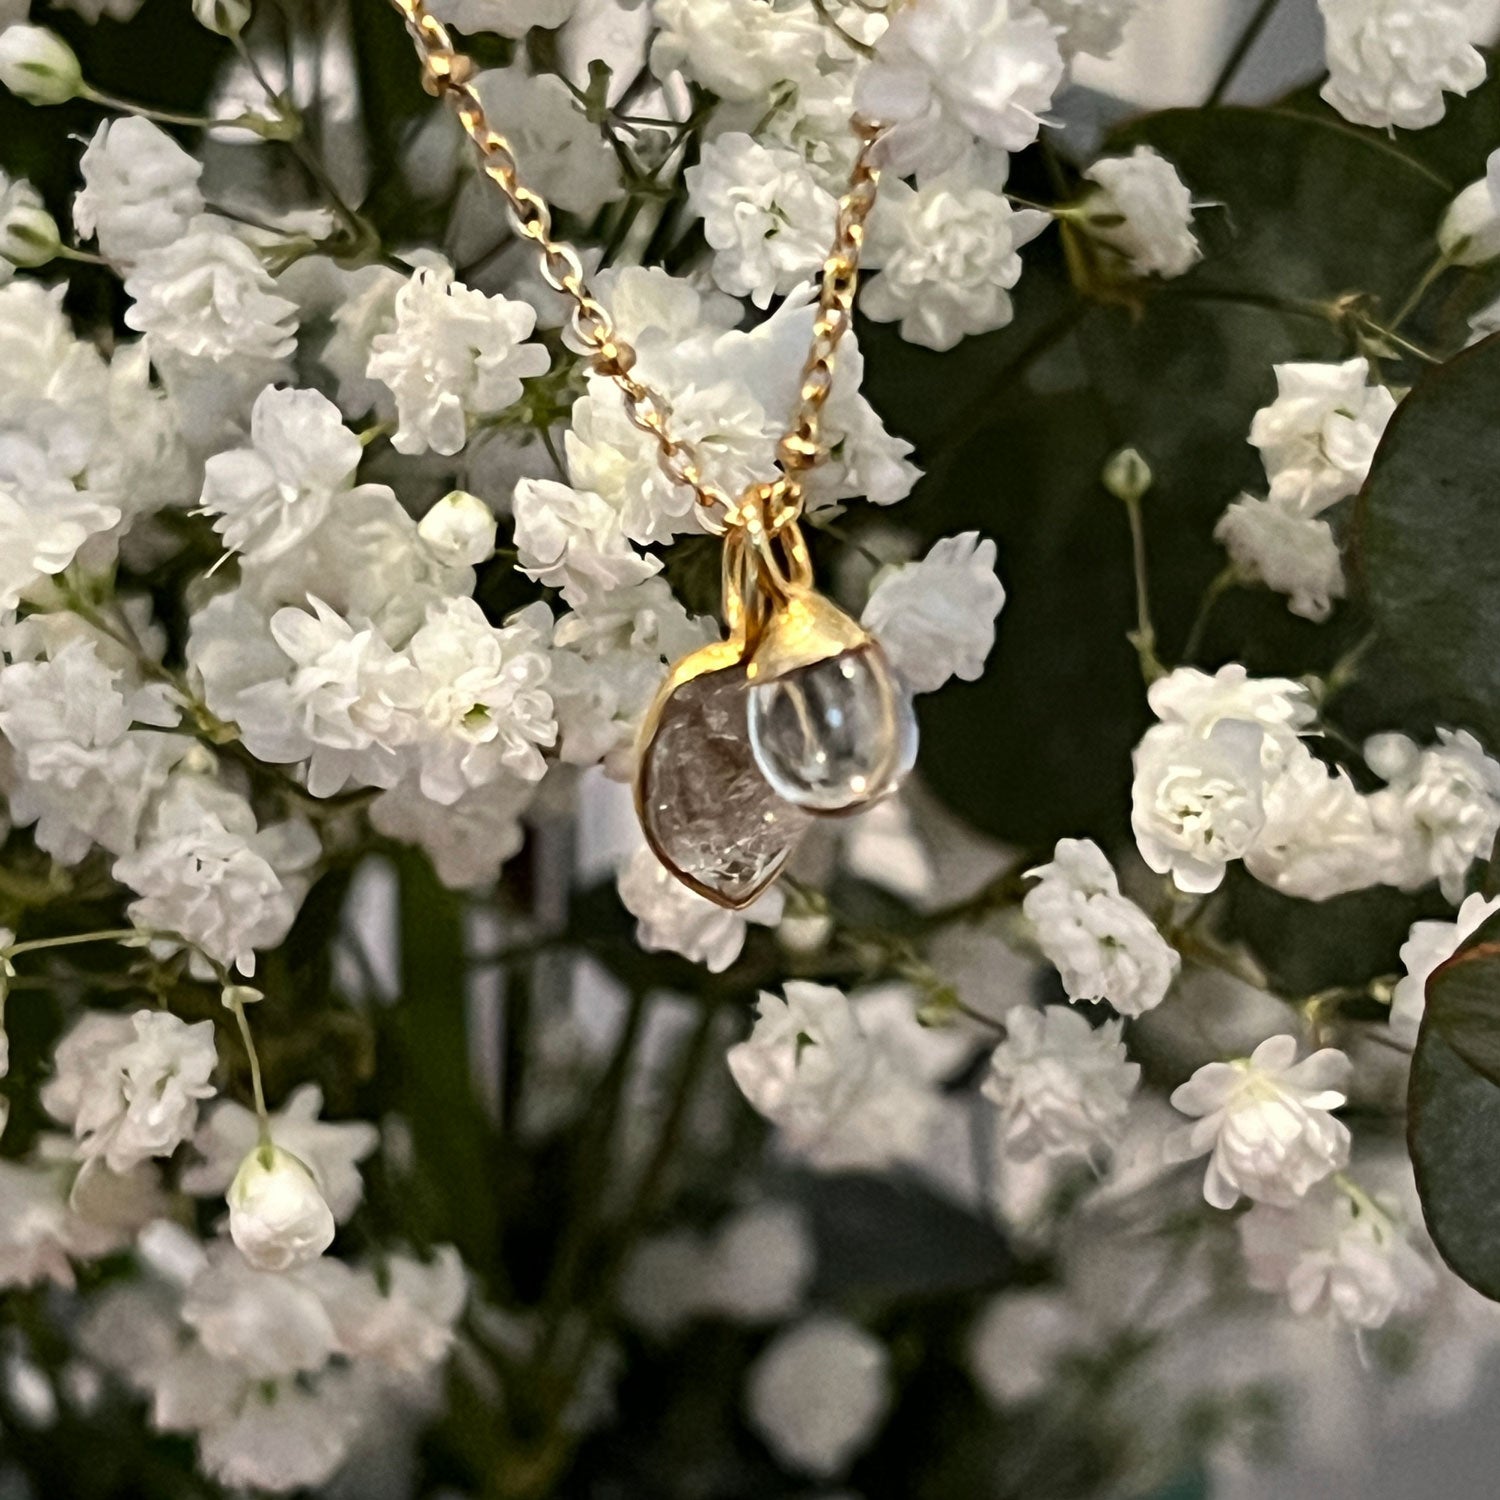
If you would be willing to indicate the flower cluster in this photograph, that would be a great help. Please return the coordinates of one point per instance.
(345, 551)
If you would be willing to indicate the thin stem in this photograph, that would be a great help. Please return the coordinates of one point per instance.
(1420, 290)
(1143, 637)
(357, 228)
(1221, 585)
(1241, 50)
(114, 935)
(82, 257)
(261, 1114)
(1381, 332)
(164, 116)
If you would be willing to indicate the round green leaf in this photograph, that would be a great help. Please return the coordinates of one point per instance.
(1453, 1130)
(1428, 542)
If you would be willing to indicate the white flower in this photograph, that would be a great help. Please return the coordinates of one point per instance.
(28, 233)
(1265, 1123)
(468, 840)
(459, 529)
(729, 390)
(140, 190)
(1428, 945)
(1095, 27)
(1276, 544)
(608, 662)
(1441, 805)
(268, 497)
(205, 871)
(1318, 436)
(404, 1323)
(38, 66)
(205, 295)
(330, 1151)
(1101, 943)
(277, 1216)
(572, 541)
(43, 1228)
(841, 1098)
(83, 773)
(1061, 1088)
(513, 18)
(288, 1439)
(1320, 837)
(348, 706)
(1338, 1252)
(804, 1060)
(366, 561)
(568, 160)
(947, 253)
(1021, 1338)
(269, 1325)
(453, 355)
(45, 516)
(950, 70)
(673, 919)
(766, 217)
(755, 1268)
(366, 308)
(1469, 234)
(935, 618)
(760, 1264)
(129, 1086)
(819, 1394)
(740, 49)
(485, 711)
(1143, 189)
(1389, 61)
(1196, 702)
(1198, 800)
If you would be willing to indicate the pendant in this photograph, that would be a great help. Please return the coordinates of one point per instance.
(796, 715)
(831, 727)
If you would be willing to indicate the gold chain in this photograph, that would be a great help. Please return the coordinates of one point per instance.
(448, 73)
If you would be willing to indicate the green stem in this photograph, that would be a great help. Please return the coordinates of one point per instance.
(1143, 637)
(113, 935)
(1420, 290)
(358, 229)
(1380, 331)
(1221, 585)
(165, 116)
(262, 1115)
(1241, 50)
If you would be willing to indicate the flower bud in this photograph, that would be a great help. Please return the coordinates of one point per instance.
(1470, 232)
(459, 529)
(227, 17)
(277, 1216)
(38, 66)
(1127, 476)
(28, 233)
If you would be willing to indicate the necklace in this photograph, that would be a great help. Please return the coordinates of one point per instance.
(796, 714)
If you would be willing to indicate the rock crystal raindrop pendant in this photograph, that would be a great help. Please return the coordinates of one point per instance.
(796, 715)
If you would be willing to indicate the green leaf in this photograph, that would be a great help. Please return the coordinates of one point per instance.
(1304, 212)
(1453, 1131)
(429, 1067)
(1453, 1110)
(1463, 1001)
(1428, 543)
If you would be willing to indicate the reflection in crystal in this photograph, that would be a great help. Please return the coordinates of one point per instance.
(834, 735)
(706, 805)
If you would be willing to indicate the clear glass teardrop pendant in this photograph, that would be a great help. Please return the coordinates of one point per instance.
(836, 734)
